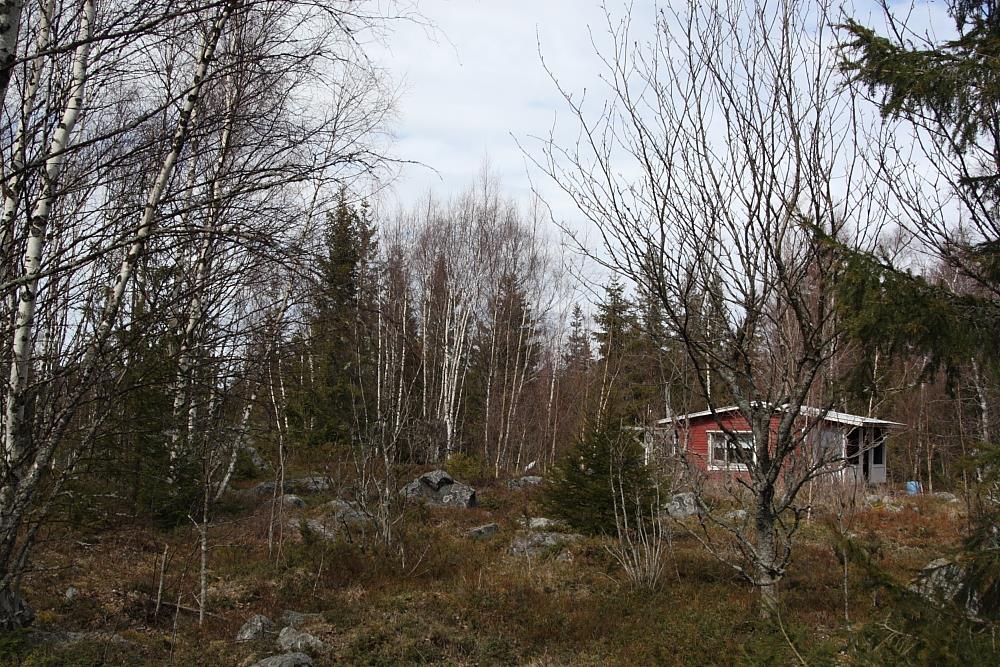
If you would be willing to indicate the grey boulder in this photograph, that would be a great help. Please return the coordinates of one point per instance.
(255, 628)
(537, 543)
(294, 619)
(683, 505)
(310, 484)
(292, 501)
(523, 482)
(290, 639)
(346, 513)
(341, 518)
(286, 660)
(483, 532)
(438, 488)
(541, 523)
(941, 580)
(313, 484)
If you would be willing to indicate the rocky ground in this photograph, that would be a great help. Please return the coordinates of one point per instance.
(465, 576)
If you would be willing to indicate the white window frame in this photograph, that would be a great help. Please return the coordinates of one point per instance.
(726, 465)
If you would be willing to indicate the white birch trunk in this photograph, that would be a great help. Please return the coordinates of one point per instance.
(10, 29)
(14, 183)
(184, 383)
(14, 499)
(14, 436)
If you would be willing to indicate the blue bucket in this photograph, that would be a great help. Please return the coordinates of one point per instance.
(913, 488)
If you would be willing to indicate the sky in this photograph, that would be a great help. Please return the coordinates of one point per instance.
(473, 85)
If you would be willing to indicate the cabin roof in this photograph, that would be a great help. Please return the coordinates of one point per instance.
(828, 415)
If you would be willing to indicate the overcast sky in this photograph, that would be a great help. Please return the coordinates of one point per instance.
(474, 82)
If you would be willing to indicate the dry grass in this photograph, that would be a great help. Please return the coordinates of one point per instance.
(439, 598)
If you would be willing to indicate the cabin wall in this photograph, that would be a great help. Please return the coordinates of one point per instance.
(696, 437)
(695, 441)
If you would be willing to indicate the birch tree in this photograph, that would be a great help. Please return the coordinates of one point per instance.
(720, 158)
(150, 184)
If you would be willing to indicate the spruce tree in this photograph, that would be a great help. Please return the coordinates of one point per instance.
(623, 363)
(586, 486)
(578, 356)
(329, 406)
(951, 91)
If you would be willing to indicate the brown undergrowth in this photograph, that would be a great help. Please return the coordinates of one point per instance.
(437, 597)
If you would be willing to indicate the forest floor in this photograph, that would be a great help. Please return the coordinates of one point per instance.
(438, 597)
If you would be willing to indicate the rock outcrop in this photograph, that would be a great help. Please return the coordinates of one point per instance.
(438, 488)
(255, 628)
(537, 543)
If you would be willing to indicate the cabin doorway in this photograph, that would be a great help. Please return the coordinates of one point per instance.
(865, 453)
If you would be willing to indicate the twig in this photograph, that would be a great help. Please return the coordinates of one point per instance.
(788, 639)
(178, 607)
(159, 588)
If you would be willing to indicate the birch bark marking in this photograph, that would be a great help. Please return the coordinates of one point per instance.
(14, 182)
(14, 436)
(10, 29)
(15, 500)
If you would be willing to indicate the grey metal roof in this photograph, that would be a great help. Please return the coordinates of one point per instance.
(828, 415)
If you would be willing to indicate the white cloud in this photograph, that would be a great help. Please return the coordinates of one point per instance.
(475, 83)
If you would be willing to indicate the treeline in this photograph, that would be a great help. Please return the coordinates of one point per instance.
(453, 329)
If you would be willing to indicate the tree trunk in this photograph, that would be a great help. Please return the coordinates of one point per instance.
(767, 563)
(14, 611)
(10, 28)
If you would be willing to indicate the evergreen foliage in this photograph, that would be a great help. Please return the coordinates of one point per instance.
(913, 630)
(134, 446)
(327, 407)
(626, 358)
(953, 89)
(900, 314)
(605, 462)
(578, 355)
(956, 82)
(616, 321)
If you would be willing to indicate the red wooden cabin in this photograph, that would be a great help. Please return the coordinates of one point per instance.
(857, 443)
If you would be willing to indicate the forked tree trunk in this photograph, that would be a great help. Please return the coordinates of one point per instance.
(14, 611)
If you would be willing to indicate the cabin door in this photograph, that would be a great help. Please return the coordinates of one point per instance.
(876, 457)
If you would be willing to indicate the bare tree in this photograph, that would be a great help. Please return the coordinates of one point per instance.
(160, 169)
(720, 163)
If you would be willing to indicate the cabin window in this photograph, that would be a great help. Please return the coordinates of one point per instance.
(729, 452)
